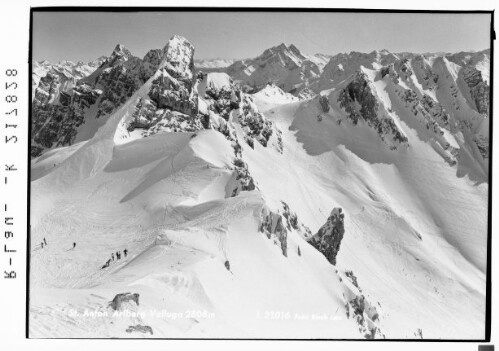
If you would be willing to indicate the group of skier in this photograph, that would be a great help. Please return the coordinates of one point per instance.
(44, 243)
(108, 262)
(118, 257)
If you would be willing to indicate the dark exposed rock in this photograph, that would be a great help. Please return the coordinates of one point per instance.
(225, 100)
(482, 144)
(391, 72)
(108, 87)
(119, 299)
(228, 104)
(272, 225)
(243, 177)
(117, 83)
(292, 222)
(358, 94)
(436, 110)
(140, 329)
(54, 125)
(479, 89)
(404, 67)
(173, 102)
(170, 93)
(291, 217)
(353, 278)
(47, 89)
(430, 112)
(324, 102)
(112, 84)
(365, 315)
(255, 124)
(358, 305)
(358, 91)
(328, 239)
(173, 89)
(150, 64)
(384, 71)
(363, 311)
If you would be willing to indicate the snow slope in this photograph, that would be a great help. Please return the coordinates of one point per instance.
(272, 96)
(412, 238)
(179, 228)
(411, 182)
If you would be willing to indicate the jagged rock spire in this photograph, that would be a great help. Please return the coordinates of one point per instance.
(178, 57)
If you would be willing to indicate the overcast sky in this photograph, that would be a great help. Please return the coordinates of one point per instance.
(87, 35)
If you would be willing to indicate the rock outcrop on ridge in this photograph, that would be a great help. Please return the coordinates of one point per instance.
(328, 239)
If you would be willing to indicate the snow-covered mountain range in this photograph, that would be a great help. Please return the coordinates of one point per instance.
(285, 196)
(283, 65)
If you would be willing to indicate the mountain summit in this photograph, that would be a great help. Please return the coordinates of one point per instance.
(282, 65)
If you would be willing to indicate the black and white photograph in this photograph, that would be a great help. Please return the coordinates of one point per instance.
(259, 174)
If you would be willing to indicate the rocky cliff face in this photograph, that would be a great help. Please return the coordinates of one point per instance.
(173, 89)
(49, 79)
(360, 103)
(276, 225)
(222, 105)
(272, 226)
(434, 115)
(479, 89)
(328, 239)
(172, 101)
(88, 98)
(243, 179)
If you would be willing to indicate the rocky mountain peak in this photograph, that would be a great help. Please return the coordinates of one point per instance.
(154, 57)
(119, 54)
(272, 51)
(282, 49)
(178, 57)
(120, 48)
